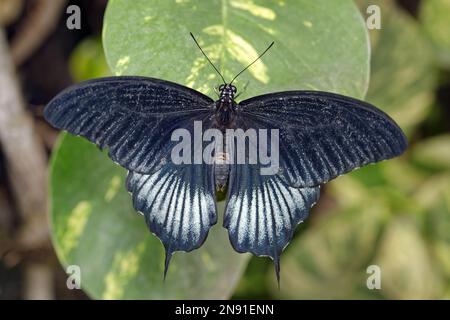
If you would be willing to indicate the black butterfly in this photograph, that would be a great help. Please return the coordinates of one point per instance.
(322, 135)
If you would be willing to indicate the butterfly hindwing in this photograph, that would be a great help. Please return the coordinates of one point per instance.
(133, 117)
(178, 202)
(262, 211)
(323, 135)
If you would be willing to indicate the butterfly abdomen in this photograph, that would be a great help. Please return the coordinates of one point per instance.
(221, 170)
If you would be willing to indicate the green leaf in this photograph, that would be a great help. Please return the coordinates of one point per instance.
(403, 77)
(434, 15)
(319, 45)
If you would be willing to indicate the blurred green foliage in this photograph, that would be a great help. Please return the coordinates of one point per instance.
(395, 214)
(88, 60)
(435, 20)
(402, 78)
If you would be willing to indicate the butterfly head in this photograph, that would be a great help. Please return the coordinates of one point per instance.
(227, 92)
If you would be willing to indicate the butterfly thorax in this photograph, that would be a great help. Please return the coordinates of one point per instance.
(225, 106)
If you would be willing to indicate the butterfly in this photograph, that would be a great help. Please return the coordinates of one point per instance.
(321, 136)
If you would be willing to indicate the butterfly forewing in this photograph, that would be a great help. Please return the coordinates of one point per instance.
(323, 135)
(133, 117)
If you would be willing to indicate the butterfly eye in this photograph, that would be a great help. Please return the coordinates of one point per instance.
(233, 88)
(221, 87)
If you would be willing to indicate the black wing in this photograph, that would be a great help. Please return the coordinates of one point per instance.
(135, 117)
(262, 211)
(132, 116)
(323, 135)
(178, 203)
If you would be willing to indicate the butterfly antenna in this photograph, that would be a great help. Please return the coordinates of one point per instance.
(259, 57)
(218, 72)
